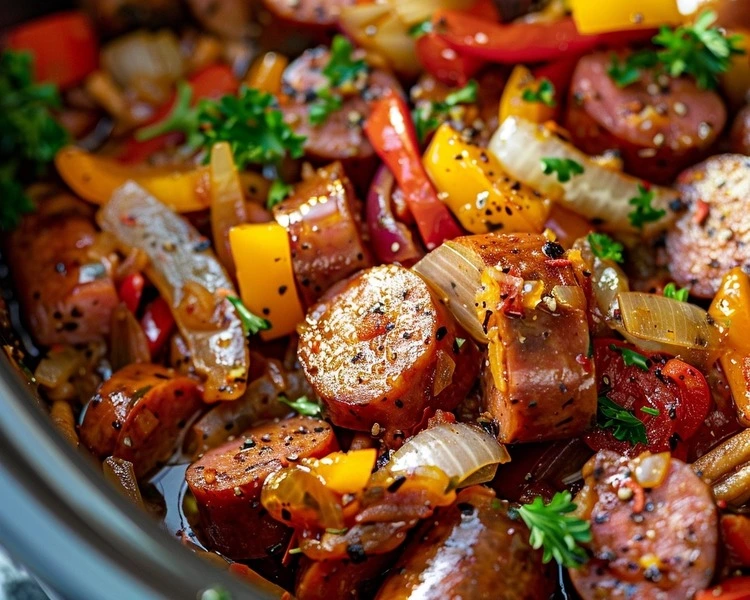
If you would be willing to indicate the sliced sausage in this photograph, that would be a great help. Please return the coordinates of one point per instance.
(649, 544)
(739, 136)
(323, 220)
(341, 136)
(138, 415)
(539, 383)
(383, 350)
(472, 549)
(116, 16)
(659, 124)
(63, 283)
(227, 482)
(713, 235)
(329, 579)
(311, 13)
(229, 19)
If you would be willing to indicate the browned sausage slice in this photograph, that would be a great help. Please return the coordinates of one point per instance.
(308, 12)
(227, 482)
(739, 136)
(323, 220)
(472, 549)
(650, 544)
(329, 579)
(540, 384)
(660, 125)
(341, 136)
(713, 236)
(384, 350)
(138, 415)
(64, 286)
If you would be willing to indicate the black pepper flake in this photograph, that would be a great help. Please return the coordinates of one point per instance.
(466, 509)
(247, 444)
(356, 553)
(397, 483)
(441, 333)
(282, 290)
(399, 403)
(553, 250)
(285, 514)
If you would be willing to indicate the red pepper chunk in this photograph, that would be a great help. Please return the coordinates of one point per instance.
(158, 324)
(731, 589)
(131, 291)
(391, 132)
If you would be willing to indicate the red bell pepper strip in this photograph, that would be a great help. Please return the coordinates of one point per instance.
(523, 42)
(131, 291)
(695, 396)
(391, 132)
(213, 82)
(444, 63)
(158, 324)
(64, 46)
(731, 589)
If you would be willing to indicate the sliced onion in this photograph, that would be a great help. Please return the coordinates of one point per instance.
(144, 56)
(455, 274)
(607, 280)
(412, 12)
(129, 343)
(651, 469)
(569, 296)
(467, 454)
(58, 366)
(187, 275)
(599, 193)
(121, 474)
(660, 324)
(443, 372)
(227, 201)
(725, 458)
(391, 240)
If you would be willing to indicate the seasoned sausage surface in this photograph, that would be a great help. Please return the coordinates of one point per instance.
(383, 350)
(472, 549)
(138, 415)
(227, 482)
(659, 126)
(713, 235)
(648, 544)
(321, 13)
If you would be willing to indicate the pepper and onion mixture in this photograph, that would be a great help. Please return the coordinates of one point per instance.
(416, 299)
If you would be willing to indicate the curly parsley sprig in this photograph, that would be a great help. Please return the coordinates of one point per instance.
(557, 531)
(644, 212)
(428, 116)
(623, 423)
(604, 247)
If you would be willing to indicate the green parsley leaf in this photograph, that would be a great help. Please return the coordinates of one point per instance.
(625, 426)
(699, 50)
(326, 103)
(216, 593)
(295, 551)
(631, 357)
(429, 115)
(302, 405)
(183, 118)
(420, 29)
(565, 168)
(460, 342)
(251, 324)
(277, 192)
(644, 212)
(556, 530)
(671, 291)
(650, 411)
(29, 134)
(544, 94)
(341, 68)
(627, 72)
(604, 247)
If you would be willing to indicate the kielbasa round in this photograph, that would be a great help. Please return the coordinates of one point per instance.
(382, 349)
(713, 236)
(227, 482)
(658, 543)
(659, 124)
(310, 13)
(739, 135)
(138, 415)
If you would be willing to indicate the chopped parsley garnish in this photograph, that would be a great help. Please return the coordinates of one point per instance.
(564, 168)
(671, 291)
(631, 357)
(277, 192)
(698, 50)
(30, 134)
(420, 29)
(644, 212)
(625, 426)
(604, 247)
(216, 593)
(557, 531)
(326, 103)
(251, 122)
(460, 342)
(428, 116)
(303, 405)
(544, 94)
(654, 412)
(251, 324)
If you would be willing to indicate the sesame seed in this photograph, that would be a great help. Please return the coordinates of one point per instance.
(680, 109)
(658, 139)
(624, 493)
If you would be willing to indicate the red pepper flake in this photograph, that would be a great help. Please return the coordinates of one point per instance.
(702, 209)
(128, 220)
(584, 361)
(559, 262)
(722, 504)
(639, 496)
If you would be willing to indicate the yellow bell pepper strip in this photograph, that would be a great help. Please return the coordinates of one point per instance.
(594, 16)
(478, 191)
(731, 309)
(94, 178)
(264, 273)
(265, 73)
(227, 201)
(345, 472)
(515, 103)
